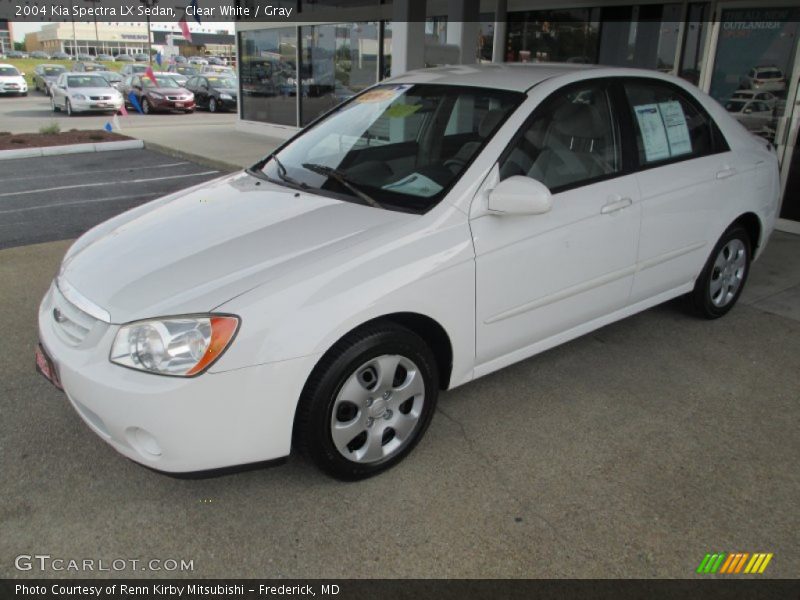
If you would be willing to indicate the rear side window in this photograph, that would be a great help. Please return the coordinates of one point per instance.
(669, 124)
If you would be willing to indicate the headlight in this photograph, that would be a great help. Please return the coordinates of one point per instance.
(225, 97)
(78, 97)
(177, 346)
(156, 95)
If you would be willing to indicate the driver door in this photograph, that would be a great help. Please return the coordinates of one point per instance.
(542, 279)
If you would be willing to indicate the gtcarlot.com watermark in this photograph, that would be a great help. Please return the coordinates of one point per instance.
(48, 563)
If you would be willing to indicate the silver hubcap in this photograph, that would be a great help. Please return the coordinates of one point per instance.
(377, 409)
(728, 273)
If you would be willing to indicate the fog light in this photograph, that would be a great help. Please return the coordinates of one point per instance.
(143, 442)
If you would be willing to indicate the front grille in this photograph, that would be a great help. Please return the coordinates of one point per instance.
(69, 321)
(100, 97)
(178, 98)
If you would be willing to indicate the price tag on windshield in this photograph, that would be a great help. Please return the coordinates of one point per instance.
(383, 94)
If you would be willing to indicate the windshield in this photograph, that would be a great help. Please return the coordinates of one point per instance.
(401, 147)
(53, 70)
(86, 81)
(163, 81)
(222, 82)
(111, 76)
(8, 72)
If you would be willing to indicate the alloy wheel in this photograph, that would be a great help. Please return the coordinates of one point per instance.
(728, 273)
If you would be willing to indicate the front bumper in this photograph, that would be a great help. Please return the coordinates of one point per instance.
(167, 104)
(13, 88)
(176, 424)
(96, 105)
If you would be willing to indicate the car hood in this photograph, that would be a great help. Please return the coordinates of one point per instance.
(197, 249)
(93, 91)
(169, 90)
(11, 79)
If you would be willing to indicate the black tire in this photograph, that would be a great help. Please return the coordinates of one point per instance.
(146, 109)
(312, 430)
(53, 105)
(212, 105)
(702, 297)
(68, 108)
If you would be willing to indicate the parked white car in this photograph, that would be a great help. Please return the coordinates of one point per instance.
(433, 229)
(84, 92)
(12, 81)
(768, 78)
(768, 98)
(755, 115)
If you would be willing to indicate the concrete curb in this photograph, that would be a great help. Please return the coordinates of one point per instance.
(71, 149)
(202, 160)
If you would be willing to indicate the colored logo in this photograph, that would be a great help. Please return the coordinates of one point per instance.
(734, 563)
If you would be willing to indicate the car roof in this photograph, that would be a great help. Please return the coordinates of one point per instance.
(518, 77)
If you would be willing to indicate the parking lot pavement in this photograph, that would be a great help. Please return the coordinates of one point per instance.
(60, 197)
(26, 114)
(630, 452)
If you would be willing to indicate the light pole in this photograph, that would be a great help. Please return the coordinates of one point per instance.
(148, 4)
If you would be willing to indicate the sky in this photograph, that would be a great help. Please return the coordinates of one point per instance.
(20, 29)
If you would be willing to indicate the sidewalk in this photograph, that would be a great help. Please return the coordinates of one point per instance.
(219, 145)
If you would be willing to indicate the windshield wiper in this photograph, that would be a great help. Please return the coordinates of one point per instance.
(342, 179)
(257, 171)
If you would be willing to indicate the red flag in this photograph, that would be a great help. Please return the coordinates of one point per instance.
(185, 28)
(149, 73)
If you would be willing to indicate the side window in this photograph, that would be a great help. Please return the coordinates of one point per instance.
(571, 138)
(669, 126)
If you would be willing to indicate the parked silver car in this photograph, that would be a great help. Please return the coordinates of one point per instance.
(84, 92)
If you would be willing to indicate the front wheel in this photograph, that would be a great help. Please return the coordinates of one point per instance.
(146, 106)
(722, 280)
(368, 402)
(212, 105)
(68, 107)
(53, 104)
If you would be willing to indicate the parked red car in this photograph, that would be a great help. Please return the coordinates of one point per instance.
(163, 95)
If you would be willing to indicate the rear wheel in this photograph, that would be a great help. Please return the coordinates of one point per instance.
(53, 105)
(722, 280)
(368, 402)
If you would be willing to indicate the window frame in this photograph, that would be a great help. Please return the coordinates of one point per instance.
(719, 144)
(612, 93)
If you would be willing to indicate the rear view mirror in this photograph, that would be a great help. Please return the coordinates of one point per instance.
(520, 195)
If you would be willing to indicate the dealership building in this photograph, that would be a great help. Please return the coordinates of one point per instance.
(292, 72)
(78, 37)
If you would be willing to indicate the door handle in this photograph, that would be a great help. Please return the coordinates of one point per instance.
(726, 172)
(615, 205)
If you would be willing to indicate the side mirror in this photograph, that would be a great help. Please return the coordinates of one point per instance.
(520, 195)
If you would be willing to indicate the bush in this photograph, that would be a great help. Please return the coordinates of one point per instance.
(51, 129)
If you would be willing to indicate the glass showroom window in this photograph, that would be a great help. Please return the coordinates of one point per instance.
(644, 36)
(269, 75)
(553, 36)
(338, 61)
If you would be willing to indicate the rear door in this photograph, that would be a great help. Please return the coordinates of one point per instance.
(685, 170)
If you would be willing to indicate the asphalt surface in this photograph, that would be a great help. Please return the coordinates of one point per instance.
(630, 452)
(60, 197)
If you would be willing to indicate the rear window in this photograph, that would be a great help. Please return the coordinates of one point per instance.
(734, 106)
(769, 74)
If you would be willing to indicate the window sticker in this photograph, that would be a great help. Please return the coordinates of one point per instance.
(665, 133)
(401, 111)
(654, 137)
(381, 94)
(415, 184)
(677, 130)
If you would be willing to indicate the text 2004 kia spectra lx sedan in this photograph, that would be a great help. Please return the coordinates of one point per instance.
(433, 229)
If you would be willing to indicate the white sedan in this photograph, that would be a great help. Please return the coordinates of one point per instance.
(437, 227)
(84, 92)
(12, 81)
